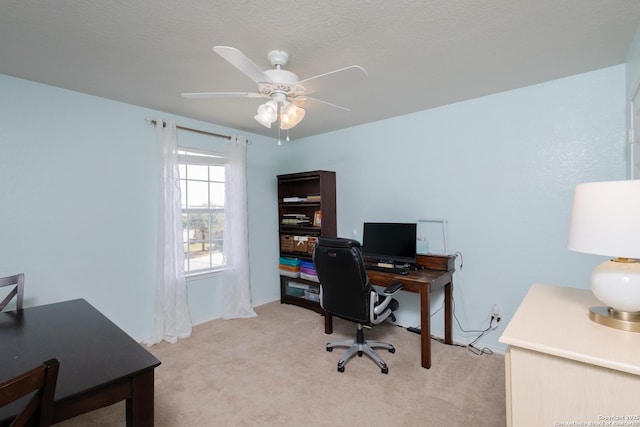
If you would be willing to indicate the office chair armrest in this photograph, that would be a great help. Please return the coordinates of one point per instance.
(392, 288)
(376, 309)
(389, 291)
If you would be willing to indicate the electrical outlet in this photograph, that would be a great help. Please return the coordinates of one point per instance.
(495, 312)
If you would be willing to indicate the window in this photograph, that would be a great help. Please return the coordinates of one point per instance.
(202, 186)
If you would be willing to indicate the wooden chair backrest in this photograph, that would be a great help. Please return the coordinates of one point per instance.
(38, 411)
(17, 281)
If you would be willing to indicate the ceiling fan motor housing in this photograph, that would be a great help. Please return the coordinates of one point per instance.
(278, 58)
(283, 81)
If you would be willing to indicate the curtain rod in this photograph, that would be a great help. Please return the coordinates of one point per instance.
(217, 135)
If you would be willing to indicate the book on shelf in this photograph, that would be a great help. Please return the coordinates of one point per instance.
(291, 199)
(313, 198)
(298, 285)
(295, 222)
(295, 219)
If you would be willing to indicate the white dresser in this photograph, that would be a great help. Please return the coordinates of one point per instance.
(562, 369)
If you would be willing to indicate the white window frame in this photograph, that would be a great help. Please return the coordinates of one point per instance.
(190, 156)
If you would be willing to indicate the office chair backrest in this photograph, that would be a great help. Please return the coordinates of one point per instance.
(17, 282)
(38, 411)
(343, 278)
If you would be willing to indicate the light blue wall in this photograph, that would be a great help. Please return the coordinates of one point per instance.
(78, 190)
(78, 196)
(633, 90)
(633, 65)
(501, 169)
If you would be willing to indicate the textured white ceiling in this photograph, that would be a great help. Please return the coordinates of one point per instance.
(418, 54)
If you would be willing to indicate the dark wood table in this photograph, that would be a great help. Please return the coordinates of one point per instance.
(99, 363)
(437, 273)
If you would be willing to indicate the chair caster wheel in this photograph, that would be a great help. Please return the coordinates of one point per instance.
(385, 370)
(340, 368)
(392, 350)
(359, 354)
(329, 349)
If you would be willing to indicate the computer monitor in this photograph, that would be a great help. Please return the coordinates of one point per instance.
(391, 242)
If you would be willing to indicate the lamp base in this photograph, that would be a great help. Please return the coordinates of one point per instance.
(625, 320)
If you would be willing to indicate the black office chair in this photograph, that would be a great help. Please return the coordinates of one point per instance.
(40, 384)
(345, 292)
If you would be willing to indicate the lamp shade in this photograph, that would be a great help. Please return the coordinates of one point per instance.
(605, 219)
(291, 116)
(267, 113)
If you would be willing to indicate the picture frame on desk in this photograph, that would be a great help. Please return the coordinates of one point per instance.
(431, 237)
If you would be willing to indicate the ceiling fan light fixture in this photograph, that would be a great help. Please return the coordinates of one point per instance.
(285, 91)
(267, 113)
(291, 116)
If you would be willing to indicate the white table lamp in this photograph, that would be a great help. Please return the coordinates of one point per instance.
(605, 220)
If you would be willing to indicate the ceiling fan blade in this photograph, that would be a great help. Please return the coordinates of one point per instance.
(302, 100)
(343, 77)
(242, 63)
(224, 95)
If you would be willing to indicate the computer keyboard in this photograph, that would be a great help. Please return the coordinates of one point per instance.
(396, 270)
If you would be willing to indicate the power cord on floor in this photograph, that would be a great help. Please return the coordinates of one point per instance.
(480, 351)
(481, 332)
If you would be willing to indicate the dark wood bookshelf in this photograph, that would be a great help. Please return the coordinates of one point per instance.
(321, 186)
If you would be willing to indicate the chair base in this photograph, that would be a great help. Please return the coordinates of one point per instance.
(359, 346)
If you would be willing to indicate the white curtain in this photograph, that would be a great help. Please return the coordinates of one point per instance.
(171, 319)
(236, 288)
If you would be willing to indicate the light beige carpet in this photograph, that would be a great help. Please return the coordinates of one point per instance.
(273, 370)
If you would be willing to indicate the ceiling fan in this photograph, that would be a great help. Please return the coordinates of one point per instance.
(285, 92)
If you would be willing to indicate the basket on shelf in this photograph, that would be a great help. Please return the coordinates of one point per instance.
(286, 243)
(300, 244)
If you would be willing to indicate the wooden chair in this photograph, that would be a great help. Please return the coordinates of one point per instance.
(39, 409)
(17, 282)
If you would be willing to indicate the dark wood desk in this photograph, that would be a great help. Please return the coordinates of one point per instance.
(99, 363)
(438, 273)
